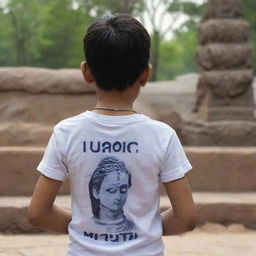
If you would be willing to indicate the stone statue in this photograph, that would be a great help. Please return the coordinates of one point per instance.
(224, 110)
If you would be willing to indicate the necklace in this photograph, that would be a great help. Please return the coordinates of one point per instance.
(114, 109)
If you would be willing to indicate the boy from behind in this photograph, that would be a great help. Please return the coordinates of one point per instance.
(115, 158)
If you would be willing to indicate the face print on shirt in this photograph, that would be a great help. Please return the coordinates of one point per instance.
(113, 191)
(109, 186)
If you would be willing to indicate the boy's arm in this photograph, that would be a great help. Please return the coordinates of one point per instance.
(183, 216)
(42, 213)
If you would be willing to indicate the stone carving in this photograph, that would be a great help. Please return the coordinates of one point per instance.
(219, 56)
(219, 9)
(224, 107)
(224, 30)
(200, 95)
(227, 84)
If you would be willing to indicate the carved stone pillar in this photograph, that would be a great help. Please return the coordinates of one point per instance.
(224, 110)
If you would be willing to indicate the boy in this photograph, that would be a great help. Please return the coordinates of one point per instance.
(115, 158)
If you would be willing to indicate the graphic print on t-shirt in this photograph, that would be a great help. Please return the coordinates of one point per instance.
(108, 187)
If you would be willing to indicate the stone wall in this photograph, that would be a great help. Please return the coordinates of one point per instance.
(28, 116)
(33, 100)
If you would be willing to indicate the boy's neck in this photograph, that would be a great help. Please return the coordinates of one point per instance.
(113, 109)
(115, 100)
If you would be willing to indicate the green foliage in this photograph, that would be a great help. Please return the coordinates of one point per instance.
(192, 9)
(249, 7)
(61, 34)
(98, 8)
(7, 56)
(178, 56)
(20, 21)
(49, 33)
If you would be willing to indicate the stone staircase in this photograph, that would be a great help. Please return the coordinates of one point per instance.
(229, 170)
(223, 179)
(224, 208)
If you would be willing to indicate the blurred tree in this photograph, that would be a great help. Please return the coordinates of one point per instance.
(178, 55)
(7, 53)
(181, 49)
(193, 10)
(168, 23)
(23, 20)
(61, 33)
(43, 33)
(49, 33)
(99, 8)
(249, 7)
(153, 10)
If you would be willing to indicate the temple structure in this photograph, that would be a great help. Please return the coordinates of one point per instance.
(223, 114)
(33, 100)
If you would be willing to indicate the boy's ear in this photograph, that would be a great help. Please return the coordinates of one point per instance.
(86, 72)
(145, 75)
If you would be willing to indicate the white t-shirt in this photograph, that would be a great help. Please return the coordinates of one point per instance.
(115, 165)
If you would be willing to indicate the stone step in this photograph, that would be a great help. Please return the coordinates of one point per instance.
(222, 208)
(21, 134)
(222, 169)
(207, 240)
(219, 169)
(18, 175)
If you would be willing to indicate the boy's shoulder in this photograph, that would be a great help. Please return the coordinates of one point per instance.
(159, 125)
(69, 123)
(141, 121)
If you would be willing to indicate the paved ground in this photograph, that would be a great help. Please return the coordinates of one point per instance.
(209, 240)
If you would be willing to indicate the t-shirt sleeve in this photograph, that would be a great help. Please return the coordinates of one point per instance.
(176, 164)
(52, 164)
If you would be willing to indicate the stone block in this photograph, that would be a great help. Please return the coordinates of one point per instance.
(24, 134)
(224, 56)
(227, 214)
(224, 95)
(244, 115)
(18, 170)
(224, 31)
(226, 169)
(227, 83)
(219, 133)
(223, 9)
(222, 208)
(214, 169)
(14, 217)
(47, 109)
(42, 80)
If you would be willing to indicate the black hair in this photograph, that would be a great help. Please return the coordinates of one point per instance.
(117, 50)
(106, 166)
